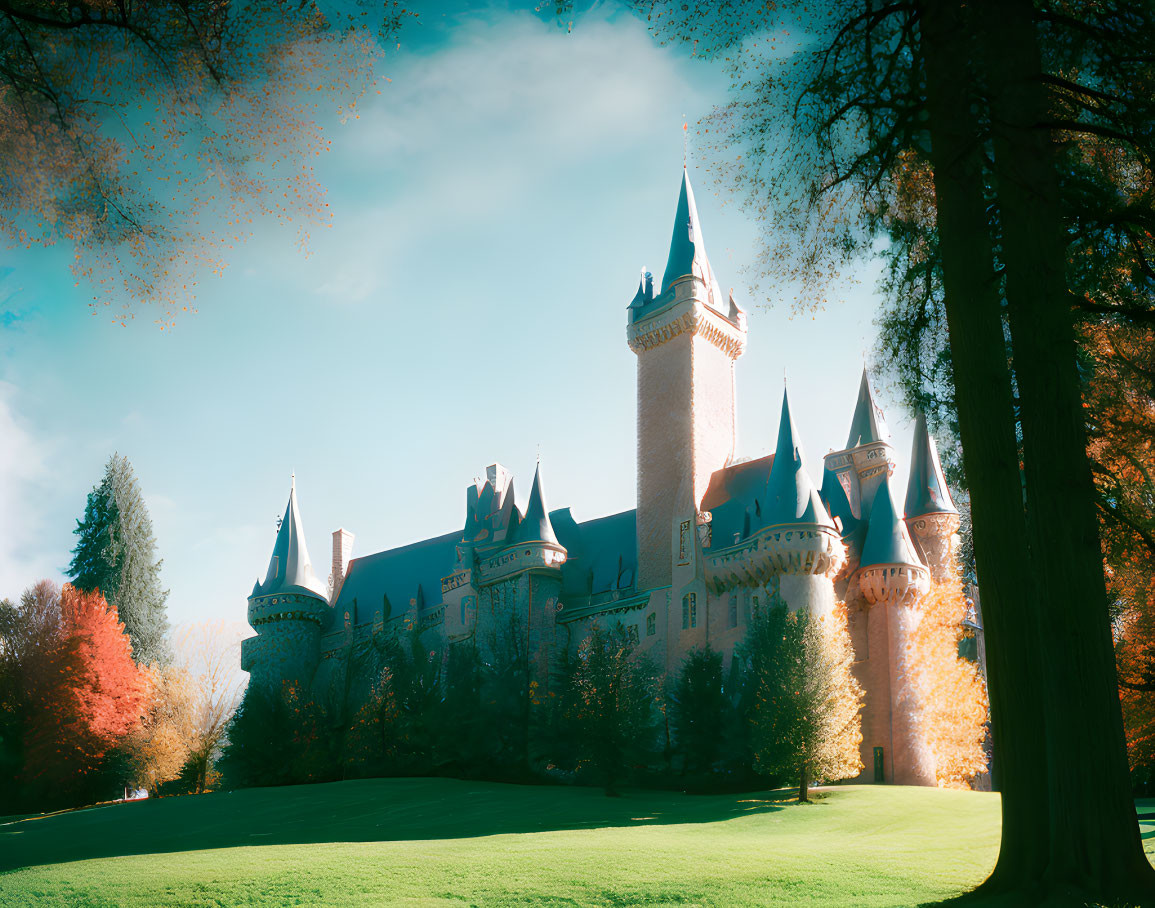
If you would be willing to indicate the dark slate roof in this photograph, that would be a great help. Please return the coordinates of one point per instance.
(601, 557)
(733, 500)
(926, 492)
(790, 494)
(290, 570)
(887, 540)
(868, 423)
(535, 525)
(743, 481)
(602, 554)
(397, 574)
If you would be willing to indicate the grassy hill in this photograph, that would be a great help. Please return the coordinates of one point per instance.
(443, 842)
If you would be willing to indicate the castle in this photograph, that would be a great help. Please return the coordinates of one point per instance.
(710, 539)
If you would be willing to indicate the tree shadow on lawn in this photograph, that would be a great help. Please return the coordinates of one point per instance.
(371, 810)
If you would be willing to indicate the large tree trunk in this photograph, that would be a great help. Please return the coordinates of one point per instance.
(990, 453)
(1095, 847)
(804, 784)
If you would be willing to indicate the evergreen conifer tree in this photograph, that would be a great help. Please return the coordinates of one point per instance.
(116, 554)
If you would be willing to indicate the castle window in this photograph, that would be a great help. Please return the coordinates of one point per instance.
(733, 611)
(632, 631)
(651, 624)
(463, 610)
(689, 611)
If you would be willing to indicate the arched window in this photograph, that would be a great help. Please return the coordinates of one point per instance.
(689, 611)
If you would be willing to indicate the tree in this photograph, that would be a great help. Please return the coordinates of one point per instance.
(116, 555)
(33, 655)
(987, 105)
(805, 713)
(87, 695)
(950, 688)
(157, 751)
(209, 652)
(150, 135)
(608, 703)
(395, 731)
(700, 711)
(279, 736)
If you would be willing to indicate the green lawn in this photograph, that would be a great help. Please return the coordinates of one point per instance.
(437, 841)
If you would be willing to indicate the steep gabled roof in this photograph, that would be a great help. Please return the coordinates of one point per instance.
(926, 492)
(887, 539)
(790, 493)
(868, 424)
(290, 570)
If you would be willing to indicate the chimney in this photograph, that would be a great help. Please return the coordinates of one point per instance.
(342, 550)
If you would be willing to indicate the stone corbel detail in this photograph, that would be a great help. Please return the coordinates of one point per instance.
(687, 317)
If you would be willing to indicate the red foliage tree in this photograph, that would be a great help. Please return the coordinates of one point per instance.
(92, 694)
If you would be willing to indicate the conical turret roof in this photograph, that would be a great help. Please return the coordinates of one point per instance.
(290, 570)
(887, 540)
(837, 504)
(535, 525)
(687, 246)
(868, 424)
(926, 492)
(790, 494)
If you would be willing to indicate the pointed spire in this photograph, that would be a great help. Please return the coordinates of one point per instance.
(927, 491)
(790, 494)
(887, 539)
(868, 424)
(687, 246)
(535, 525)
(289, 567)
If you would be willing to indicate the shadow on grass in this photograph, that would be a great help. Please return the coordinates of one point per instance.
(372, 810)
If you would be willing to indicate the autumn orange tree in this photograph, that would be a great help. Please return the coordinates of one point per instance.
(73, 692)
(951, 688)
(149, 136)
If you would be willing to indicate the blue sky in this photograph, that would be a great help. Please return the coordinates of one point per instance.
(492, 208)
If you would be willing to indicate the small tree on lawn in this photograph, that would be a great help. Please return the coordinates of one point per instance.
(608, 704)
(700, 710)
(805, 710)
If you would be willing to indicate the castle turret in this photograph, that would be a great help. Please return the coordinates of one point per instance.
(805, 545)
(868, 457)
(931, 516)
(286, 610)
(892, 581)
(686, 338)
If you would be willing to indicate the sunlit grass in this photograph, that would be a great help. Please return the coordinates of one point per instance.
(436, 841)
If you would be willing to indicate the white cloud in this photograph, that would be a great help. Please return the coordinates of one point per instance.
(483, 126)
(24, 485)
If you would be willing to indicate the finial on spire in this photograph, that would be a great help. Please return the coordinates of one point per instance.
(293, 481)
(539, 453)
(685, 140)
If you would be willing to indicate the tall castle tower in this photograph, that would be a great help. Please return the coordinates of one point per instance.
(287, 610)
(687, 338)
